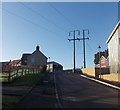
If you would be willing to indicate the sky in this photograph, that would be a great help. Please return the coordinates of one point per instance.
(47, 24)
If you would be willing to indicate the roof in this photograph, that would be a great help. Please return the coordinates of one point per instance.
(39, 52)
(104, 57)
(116, 27)
(52, 62)
(24, 56)
(14, 62)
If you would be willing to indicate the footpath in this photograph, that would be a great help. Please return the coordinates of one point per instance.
(112, 84)
(40, 96)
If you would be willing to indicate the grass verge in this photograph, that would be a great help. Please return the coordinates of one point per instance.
(28, 80)
(10, 101)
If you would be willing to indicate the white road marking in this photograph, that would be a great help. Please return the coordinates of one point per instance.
(56, 93)
(116, 87)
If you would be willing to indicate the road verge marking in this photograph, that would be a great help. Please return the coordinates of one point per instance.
(56, 93)
(110, 85)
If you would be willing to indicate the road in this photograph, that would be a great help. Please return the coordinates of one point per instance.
(74, 91)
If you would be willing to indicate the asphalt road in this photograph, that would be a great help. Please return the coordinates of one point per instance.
(74, 91)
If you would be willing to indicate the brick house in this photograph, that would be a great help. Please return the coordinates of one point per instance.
(103, 62)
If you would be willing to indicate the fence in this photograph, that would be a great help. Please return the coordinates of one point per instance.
(10, 73)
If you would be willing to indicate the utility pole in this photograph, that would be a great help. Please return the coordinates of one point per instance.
(74, 34)
(84, 44)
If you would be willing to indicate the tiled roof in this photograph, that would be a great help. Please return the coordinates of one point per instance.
(14, 62)
(24, 56)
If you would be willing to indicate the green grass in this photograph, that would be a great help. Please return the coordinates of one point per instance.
(28, 80)
(2, 79)
(9, 101)
(4, 74)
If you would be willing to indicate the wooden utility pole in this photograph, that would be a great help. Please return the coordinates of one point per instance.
(84, 44)
(74, 34)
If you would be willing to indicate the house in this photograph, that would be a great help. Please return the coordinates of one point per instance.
(37, 58)
(4, 63)
(54, 66)
(15, 63)
(114, 49)
(103, 63)
(24, 59)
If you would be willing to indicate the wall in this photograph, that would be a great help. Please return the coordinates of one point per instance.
(112, 77)
(89, 71)
(93, 72)
(37, 59)
(113, 52)
(119, 50)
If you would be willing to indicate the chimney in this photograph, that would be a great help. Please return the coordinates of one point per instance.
(37, 48)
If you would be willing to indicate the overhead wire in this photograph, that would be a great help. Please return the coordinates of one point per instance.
(89, 47)
(43, 17)
(65, 17)
(21, 17)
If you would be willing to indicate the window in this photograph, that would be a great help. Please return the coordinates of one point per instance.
(102, 61)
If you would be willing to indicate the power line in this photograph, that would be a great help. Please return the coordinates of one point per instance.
(66, 18)
(42, 27)
(89, 47)
(43, 17)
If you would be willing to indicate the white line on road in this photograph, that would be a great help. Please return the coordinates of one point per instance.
(56, 93)
(110, 85)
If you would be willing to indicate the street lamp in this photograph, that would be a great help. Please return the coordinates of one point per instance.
(99, 60)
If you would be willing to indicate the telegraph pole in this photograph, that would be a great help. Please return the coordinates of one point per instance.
(74, 34)
(84, 44)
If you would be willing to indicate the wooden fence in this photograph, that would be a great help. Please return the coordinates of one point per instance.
(10, 73)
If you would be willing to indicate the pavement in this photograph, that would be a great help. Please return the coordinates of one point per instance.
(100, 80)
(41, 96)
(15, 90)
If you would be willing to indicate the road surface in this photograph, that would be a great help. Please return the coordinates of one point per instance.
(74, 91)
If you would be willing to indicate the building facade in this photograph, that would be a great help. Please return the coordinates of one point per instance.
(114, 49)
(54, 66)
(103, 63)
(37, 58)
